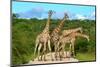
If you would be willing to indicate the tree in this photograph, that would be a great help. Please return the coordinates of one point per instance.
(15, 15)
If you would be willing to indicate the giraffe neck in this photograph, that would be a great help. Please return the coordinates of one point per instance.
(78, 29)
(82, 35)
(46, 29)
(58, 29)
(68, 32)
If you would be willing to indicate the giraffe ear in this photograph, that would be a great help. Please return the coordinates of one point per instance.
(50, 12)
(54, 11)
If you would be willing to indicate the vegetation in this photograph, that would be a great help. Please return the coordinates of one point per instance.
(24, 32)
(85, 56)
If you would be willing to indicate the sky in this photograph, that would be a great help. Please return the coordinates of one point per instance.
(40, 10)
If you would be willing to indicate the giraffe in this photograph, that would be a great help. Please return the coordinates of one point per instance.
(69, 31)
(70, 39)
(55, 33)
(66, 33)
(43, 39)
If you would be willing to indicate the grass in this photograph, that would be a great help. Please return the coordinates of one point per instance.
(86, 56)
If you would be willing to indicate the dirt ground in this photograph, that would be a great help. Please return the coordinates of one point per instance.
(53, 60)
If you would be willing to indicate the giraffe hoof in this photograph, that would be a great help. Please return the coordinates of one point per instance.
(60, 58)
(74, 56)
(45, 60)
(52, 60)
(39, 59)
(56, 59)
(33, 60)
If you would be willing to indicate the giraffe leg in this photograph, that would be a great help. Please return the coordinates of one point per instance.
(73, 52)
(50, 49)
(81, 31)
(37, 42)
(55, 50)
(58, 49)
(39, 48)
(61, 53)
(44, 51)
(70, 47)
(63, 49)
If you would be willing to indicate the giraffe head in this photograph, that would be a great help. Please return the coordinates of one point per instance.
(66, 15)
(79, 29)
(82, 35)
(87, 37)
(50, 12)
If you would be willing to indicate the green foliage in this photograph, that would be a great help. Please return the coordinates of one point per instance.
(86, 56)
(24, 32)
(81, 45)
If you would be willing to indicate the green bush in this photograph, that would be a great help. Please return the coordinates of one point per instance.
(24, 32)
(81, 45)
